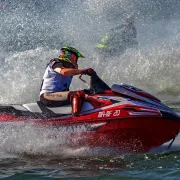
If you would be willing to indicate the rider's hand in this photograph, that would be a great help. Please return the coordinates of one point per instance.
(88, 71)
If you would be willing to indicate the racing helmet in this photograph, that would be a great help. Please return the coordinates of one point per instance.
(130, 19)
(71, 55)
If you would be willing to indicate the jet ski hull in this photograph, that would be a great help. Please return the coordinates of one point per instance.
(128, 134)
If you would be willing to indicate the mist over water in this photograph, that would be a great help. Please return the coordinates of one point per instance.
(32, 32)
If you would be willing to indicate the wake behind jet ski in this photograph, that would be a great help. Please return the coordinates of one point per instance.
(122, 117)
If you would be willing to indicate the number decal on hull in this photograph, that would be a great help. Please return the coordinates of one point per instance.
(110, 113)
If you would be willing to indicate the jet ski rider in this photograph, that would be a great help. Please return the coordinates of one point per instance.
(57, 78)
(123, 35)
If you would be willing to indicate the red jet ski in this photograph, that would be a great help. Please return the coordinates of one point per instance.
(121, 117)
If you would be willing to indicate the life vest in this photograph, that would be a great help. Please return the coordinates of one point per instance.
(53, 81)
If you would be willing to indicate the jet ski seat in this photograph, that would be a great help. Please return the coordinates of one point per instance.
(67, 109)
(35, 108)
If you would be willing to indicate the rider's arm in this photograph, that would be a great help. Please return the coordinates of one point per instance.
(68, 71)
(117, 27)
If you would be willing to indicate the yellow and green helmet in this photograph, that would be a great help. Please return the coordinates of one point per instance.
(70, 55)
(72, 50)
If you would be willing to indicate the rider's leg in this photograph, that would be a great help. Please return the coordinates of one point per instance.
(55, 99)
(75, 98)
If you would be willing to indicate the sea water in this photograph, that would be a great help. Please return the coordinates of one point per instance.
(32, 32)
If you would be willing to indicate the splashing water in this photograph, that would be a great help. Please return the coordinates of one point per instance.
(32, 32)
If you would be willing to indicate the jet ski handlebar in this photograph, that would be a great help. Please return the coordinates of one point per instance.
(97, 85)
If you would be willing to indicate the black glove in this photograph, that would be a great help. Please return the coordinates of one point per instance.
(88, 71)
